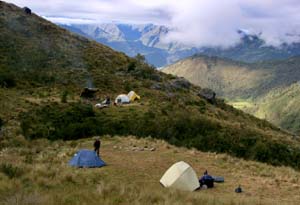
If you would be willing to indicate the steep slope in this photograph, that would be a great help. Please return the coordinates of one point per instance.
(49, 66)
(226, 77)
(251, 87)
(280, 106)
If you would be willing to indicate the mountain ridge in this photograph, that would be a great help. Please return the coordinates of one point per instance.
(246, 85)
(149, 40)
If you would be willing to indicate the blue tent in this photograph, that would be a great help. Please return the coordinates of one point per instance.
(86, 158)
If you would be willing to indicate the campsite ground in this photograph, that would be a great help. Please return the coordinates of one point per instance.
(38, 173)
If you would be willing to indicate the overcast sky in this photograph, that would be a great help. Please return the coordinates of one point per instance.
(197, 22)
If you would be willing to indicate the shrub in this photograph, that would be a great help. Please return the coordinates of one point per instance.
(1, 123)
(131, 66)
(55, 121)
(7, 79)
(178, 127)
(11, 171)
(128, 87)
(64, 96)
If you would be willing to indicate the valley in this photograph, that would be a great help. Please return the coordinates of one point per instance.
(268, 90)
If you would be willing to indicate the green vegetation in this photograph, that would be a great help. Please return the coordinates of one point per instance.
(186, 128)
(268, 90)
(7, 79)
(46, 71)
(11, 171)
(132, 177)
(64, 96)
(46, 121)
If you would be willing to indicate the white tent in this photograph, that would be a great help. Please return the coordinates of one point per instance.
(180, 176)
(122, 99)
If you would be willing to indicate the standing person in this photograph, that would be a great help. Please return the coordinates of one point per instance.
(97, 145)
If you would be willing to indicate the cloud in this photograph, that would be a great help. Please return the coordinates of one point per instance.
(193, 22)
(214, 22)
(128, 11)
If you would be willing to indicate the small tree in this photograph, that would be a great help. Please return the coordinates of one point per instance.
(140, 58)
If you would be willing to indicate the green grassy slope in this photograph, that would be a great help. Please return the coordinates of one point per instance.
(43, 54)
(280, 106)
(45, 62)
(250, 87)
(226, 77)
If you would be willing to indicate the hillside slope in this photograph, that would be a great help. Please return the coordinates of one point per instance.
(247, 86)
(226, 77)
(49, 66)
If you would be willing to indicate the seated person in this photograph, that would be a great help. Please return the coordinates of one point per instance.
(106, 101)
(207, 180)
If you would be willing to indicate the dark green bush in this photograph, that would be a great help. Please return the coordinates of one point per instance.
(11, 171)
(64, 96)
(181, 128)
(59, 122)
(7, 79)
(131, 66)
(1, 123)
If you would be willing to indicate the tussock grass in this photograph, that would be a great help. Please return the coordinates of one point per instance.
(132, 177)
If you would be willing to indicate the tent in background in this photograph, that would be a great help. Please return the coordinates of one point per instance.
(86, 158)
(180, 176)
(133, 96)
(122, 99)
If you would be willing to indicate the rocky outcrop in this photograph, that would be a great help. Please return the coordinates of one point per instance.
(208, 94)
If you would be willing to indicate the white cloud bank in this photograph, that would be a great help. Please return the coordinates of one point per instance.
(197, 22)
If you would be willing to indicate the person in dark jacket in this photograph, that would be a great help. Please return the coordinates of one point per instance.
(97, 145)
(239, 189)
(207, 180)
(107, 100)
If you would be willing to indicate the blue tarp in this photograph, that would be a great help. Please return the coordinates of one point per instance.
(86, 158)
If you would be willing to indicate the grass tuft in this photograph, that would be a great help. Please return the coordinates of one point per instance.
(11, 171)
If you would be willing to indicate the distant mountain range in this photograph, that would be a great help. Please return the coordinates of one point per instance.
(134, 39)
(148, 40)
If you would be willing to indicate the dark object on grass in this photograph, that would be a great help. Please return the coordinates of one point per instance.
(88, 92)
(208, 94)
(106, 101)
(218, 179)
(27, 10)
(238, 190)
(206, 180)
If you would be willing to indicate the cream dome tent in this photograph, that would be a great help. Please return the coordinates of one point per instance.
(133, 96)
(180, 176)
(122, 99)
